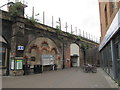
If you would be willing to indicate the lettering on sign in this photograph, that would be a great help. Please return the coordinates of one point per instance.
(20, 47)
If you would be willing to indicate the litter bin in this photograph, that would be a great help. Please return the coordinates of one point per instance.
(26, 69)
(37, 69)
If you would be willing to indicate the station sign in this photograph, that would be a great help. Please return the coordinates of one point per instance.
(20, 47)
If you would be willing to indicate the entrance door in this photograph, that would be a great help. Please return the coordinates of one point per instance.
(74, 61)
(75, 55)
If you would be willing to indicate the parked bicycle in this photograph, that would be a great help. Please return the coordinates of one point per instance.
(89, 68)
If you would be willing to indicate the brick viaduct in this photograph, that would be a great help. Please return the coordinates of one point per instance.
(39, 39)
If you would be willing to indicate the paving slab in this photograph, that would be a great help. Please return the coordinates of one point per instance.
(66, 78)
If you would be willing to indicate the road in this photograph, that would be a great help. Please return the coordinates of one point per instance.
(66, 78)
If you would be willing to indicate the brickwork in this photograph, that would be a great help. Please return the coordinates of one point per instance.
(39, 39)
(107, 14)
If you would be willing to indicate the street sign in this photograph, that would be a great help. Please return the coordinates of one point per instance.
(20, 47)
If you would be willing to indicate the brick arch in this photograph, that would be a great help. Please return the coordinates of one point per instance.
(75, 43)
(33, 47)
(45, 49)
(43, 45)
(54, 51)
(39, 45)
(74, 52)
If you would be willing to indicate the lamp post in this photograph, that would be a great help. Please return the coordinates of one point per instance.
(76, 30)
(66, 26)
(71, 30)
(52, 21)
(59, 22)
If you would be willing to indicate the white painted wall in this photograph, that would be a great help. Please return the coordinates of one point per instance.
(74, 50)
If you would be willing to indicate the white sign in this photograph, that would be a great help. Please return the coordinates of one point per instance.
(20, 47)
(47, 59)
(19, 64)
(12, 64)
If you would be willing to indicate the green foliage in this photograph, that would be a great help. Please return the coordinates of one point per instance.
(84, 46)
(58, 27)
(78, 37)
(58, 31)
(32, 20)
(14, 9)
(118, 82)
(70, 35)
(72, 32)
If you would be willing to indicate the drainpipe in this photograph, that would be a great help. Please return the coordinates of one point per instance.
(63, 57)
(8, 64)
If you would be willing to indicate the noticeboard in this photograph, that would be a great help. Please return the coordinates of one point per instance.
(47, 59)
(12, 64)
(19, 64)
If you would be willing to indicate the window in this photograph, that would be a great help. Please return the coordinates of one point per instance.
(117, 47)
(106, 59)
(45, 44)
(106, 18)
(117, 53)
(2, 56)
(113, 4)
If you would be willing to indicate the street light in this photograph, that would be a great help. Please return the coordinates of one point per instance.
(37, 14)
(59, 22)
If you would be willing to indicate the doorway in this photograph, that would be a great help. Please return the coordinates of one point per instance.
(74, 55)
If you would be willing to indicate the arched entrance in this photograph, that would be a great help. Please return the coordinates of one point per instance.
(42, 51)
(74, 55)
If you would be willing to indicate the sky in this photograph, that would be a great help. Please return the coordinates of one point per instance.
(83, 14)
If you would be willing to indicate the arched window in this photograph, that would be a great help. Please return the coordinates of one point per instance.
(44, 51)
(54, 51)
(45, 44)
(106, 18)
(33, 50)
(112, 6)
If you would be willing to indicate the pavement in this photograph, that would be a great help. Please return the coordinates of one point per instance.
(66, 78)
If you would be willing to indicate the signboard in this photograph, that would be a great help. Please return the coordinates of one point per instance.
(47, 59)
(20, 47)
(19, 64)
(12, 64)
